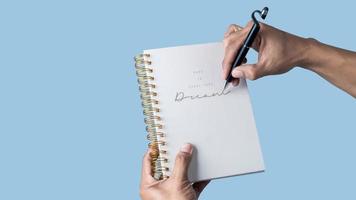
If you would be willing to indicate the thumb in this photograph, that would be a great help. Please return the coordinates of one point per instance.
(249, 71)
(180, 170)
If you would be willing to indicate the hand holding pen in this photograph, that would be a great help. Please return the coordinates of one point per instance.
(240, 55)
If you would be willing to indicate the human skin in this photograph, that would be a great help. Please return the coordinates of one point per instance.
(279, 52)
(177, 186)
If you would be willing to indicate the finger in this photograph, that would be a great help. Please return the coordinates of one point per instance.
(231, 29)
(146, 176)
(199, 186)
(235, 82)
(249, 71)
(180, 170)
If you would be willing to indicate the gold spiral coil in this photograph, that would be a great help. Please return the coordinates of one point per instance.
(144, 73)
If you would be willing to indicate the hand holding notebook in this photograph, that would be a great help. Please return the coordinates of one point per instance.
(177, 186)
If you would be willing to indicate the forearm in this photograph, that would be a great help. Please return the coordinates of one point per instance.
(338, 66)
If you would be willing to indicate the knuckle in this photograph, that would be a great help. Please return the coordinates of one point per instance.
(181, 156)
(232, 26)
(227, 42)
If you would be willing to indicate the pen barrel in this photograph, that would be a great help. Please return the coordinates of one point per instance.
(242, 52)
(240, 56)
(252, 35)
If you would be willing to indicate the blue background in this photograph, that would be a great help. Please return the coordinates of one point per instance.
(71, 124)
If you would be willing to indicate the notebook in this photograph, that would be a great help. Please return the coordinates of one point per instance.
(184, 102)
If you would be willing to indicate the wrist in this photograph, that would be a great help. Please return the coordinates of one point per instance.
(308, 55)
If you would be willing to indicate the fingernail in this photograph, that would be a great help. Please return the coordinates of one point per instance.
(237, 74)
(187, 148)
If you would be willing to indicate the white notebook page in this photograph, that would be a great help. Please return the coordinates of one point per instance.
(194, 110)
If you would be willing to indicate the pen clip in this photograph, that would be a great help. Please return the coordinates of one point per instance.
(263, 13)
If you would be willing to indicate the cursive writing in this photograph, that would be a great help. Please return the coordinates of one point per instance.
(180, 96)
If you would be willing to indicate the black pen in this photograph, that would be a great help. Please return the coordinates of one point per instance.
(242, 52)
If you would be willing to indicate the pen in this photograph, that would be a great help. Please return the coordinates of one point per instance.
(242, 52)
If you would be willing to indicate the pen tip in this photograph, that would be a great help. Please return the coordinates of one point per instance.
(225, 86)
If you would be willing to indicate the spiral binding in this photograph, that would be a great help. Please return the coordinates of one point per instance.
(152, 120)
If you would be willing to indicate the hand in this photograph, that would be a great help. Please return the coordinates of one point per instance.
(177, 186)
(278, 52)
